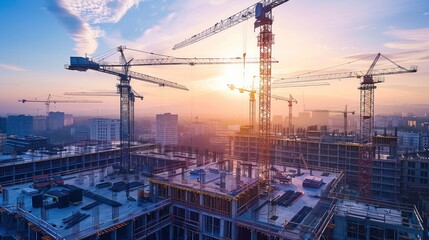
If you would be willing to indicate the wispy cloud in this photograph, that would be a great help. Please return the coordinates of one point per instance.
(10, 67)
(413, 42)
(366, 27)
(79, 18)
(426, 13)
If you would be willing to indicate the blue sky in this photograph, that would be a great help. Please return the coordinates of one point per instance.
(38, 37)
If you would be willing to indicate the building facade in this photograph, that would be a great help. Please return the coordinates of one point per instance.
(315, 153)
(39, 123)
(104, 129)
(55, 120)
(167, 129)
(20, 125)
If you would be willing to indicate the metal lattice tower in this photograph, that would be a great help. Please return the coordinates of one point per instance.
(265, 41)
(127, 95)
(367, 108)
(262, 11)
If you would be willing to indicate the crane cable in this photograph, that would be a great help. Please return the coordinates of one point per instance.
(339, 65)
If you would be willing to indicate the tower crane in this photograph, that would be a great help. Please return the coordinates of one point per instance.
(123, 72)
(262, 11)
(345, 114)
(252, 104)
(252, 99)
(133, 95)
(49, 100)
(367, 87)
(289, 100)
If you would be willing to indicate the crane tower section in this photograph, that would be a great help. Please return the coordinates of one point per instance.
(265, 41)
(262, 11)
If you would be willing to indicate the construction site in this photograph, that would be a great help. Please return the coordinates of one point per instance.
(265, 185)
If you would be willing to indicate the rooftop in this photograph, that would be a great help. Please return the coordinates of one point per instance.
(67, 151)
(113, 205)
(293, 203)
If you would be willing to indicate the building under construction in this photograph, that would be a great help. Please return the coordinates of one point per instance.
(313, 152)
(184, 195)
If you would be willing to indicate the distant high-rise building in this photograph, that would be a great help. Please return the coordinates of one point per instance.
(199, 128)
(3, 125)
(20, 125)
(80, 133)
(167, 129)
(39, 123)
(277, 123)
(104, 129)
(320, 118)
(56, 120)
(303, 120)
(68, 119)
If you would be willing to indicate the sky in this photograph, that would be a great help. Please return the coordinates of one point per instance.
(38, 37)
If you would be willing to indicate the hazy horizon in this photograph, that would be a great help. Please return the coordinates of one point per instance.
(33, 56)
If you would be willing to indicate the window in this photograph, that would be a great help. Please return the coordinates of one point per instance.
(213, 225)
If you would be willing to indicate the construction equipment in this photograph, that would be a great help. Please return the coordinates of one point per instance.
(252, 99)
(262, 11)
(49, 100)
(367, 87)
(252, 104)
(133, 95)
(290, 100)
(122, 70)
(345, 114)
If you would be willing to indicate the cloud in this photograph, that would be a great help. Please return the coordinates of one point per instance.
(10, 67)
(409, 38)
(366, 27)
(79, 17)
(413, 43)
(100, 11)
(426, 13)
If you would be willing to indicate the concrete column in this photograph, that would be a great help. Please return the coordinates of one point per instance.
(156, 218)
(233, 218)
(200, 217)
(31, 235)
(130, 230)
(222, 228)
(253, 235)
(114, 235)
(20, 225)
(367, 232)
(171, 229)
(185, 234)
(201, 220)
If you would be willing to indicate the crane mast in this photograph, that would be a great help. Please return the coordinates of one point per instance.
(263, 14)
(127, 95)
(289, 100)
(252, 104)
(367, 87)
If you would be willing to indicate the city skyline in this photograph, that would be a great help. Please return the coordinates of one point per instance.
(35, 50)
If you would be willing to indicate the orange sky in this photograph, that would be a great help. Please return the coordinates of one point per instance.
(309, 35)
